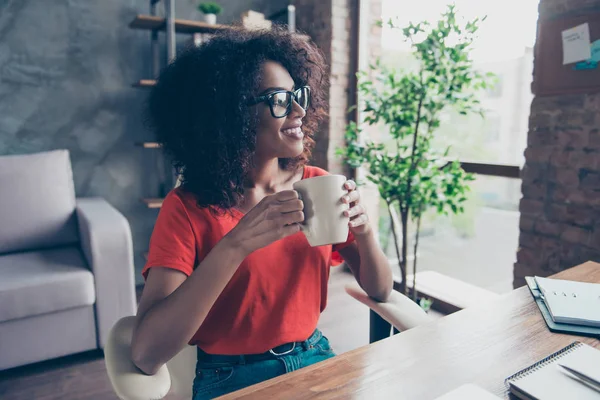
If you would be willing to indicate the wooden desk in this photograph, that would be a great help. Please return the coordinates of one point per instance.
(483, 345)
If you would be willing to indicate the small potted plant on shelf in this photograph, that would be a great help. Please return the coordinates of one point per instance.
(210, 11)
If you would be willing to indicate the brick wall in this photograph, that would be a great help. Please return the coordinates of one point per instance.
(331, 24)
(343, 14)
(314, 18)
(560, 208)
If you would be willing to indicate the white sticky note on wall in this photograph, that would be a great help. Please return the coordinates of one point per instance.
(576, 44)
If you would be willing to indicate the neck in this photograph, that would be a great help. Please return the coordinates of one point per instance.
(265, 174)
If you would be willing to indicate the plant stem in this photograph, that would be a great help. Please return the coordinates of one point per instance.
(400, 262)
(415, 252)
(404, 216)
(386, 244)
(413, 162)
(405, 210)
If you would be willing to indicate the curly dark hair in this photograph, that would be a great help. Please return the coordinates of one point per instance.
(198, 109)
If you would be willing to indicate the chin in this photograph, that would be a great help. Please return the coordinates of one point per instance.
(292, 153)
(291, 148)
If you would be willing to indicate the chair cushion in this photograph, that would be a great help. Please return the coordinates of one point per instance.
(40, 282)
(37, 201)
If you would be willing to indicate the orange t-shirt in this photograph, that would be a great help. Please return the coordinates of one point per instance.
(275, 296)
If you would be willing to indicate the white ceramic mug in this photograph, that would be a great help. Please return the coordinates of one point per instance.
(324, 219)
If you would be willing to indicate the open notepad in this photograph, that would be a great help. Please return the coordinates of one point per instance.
(571, 302)
(547, 380)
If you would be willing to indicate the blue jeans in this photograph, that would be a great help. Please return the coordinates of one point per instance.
(218, 375)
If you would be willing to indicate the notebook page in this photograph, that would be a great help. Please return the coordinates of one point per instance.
(571, 302)
(587, 363)
(549, 382)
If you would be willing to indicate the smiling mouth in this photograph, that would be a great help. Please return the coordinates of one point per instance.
(294, 133)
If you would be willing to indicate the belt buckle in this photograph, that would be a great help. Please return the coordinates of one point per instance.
(285, 352)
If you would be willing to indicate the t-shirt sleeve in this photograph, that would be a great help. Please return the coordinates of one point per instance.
(173, 243)
(336, 257)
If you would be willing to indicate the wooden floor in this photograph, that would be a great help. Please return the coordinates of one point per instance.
(345, 322)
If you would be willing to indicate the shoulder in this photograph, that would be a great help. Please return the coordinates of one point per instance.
(311, 172)
(180, 201)
(177, 199)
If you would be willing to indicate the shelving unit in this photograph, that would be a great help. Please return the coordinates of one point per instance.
(152, 22)
(144, 83)
(148, 145)
(153, 202)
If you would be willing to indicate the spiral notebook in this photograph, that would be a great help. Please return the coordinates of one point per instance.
(548, 380)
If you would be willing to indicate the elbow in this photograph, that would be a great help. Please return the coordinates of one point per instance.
(139, 357)
(380, 293)
(381, 296)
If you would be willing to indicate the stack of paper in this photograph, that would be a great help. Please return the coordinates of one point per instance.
(571, 302)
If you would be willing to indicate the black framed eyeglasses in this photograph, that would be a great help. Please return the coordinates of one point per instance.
(280, 101)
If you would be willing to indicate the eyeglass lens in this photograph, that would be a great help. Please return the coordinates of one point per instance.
(281, 102)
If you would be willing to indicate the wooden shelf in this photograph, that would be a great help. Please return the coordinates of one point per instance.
(153, 203)
(148, 145)
(150, 22)
(144, 83)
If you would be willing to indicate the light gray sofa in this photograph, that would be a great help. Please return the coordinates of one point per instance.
(66, 264)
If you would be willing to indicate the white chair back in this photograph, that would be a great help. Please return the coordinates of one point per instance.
(129, 383)
(182, 369)
(398, 310)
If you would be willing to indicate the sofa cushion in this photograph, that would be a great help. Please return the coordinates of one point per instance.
(40, 282)
(37, 201)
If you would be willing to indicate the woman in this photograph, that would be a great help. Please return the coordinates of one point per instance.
(228, 269)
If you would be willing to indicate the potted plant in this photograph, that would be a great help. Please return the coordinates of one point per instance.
(411, 175)
(210, 11)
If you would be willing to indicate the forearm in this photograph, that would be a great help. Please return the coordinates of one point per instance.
(374, 273)
(167, 327)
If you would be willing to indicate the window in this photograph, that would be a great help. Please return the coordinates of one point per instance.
(480, 245)
(495, 91)
(504, 47)
(492, 124)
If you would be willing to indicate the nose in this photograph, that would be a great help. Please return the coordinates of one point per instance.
(297, 111)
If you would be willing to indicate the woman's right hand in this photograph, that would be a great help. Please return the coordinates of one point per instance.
(275, 217)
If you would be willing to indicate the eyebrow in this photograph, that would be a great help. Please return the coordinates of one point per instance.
(273, 89)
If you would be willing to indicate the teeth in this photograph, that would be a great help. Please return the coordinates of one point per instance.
(292, 131)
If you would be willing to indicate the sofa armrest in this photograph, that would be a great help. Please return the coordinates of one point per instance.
(128, 382)
(106, 243)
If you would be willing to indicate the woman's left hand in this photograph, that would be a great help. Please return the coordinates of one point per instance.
(359, 221)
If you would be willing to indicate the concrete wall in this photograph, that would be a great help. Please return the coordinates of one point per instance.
(66, 67)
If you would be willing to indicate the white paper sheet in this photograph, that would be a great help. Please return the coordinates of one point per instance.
(467, 392)
(576, 44)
